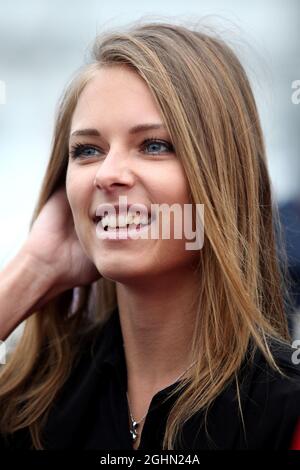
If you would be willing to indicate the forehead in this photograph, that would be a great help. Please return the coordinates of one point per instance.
(115, 94)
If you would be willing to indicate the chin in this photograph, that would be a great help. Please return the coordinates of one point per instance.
(119, 272)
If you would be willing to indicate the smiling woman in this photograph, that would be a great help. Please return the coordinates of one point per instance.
(163, 347)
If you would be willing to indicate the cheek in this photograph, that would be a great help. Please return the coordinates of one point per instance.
(177, 187)
(78, 194)
(70, 181)
(167, 183)
(177, 191)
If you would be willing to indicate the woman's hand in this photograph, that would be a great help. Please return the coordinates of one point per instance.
(50, 261)
(54, 245)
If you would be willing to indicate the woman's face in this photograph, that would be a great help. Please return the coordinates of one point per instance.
(119, 162)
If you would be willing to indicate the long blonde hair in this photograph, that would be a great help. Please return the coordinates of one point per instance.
(208, 107)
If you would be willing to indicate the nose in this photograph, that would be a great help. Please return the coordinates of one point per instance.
(113, 171)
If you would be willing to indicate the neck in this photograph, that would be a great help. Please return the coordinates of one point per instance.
(157, 320)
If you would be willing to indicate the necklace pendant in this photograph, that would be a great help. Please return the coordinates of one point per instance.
(133, 435)
(133, 431)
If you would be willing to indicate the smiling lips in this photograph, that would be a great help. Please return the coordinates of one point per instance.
(115, 217)
(123, 221)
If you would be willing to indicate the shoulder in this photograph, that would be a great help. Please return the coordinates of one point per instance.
(271, 398)
(274, 383)
(90, 346)
(259, 411)
(283, 377)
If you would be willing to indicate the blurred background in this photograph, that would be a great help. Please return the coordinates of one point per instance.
(42, 44)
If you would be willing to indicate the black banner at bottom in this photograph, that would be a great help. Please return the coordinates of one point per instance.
(135, 458)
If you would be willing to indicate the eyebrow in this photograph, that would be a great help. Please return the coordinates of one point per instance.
(133, 130)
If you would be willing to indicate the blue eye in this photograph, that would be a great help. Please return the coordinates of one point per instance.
(79, 149)
(158, 143)
(86, 151)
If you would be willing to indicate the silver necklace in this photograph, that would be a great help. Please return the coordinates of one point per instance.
(134, 424)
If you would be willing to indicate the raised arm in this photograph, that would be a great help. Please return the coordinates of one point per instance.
(49, 262)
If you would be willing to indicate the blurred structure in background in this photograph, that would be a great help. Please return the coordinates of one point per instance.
(290, 219)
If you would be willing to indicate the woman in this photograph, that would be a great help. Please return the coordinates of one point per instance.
(163, 347)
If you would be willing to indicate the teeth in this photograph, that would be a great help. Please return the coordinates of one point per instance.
(140, 220)
(124, 220)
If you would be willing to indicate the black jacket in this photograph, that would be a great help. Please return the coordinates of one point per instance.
(91, 410)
